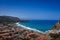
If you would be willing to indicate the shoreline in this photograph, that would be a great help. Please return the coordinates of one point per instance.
(28, 28)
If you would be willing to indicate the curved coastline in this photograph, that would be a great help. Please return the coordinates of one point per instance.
(29, 28)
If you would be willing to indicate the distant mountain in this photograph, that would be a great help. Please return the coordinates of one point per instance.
(10, 19)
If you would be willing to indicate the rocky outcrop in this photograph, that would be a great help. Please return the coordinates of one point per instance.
(54, 33)
(56, 26)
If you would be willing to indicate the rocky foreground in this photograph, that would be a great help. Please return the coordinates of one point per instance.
(10, 31)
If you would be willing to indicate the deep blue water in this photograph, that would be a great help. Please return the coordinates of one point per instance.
(42, 25)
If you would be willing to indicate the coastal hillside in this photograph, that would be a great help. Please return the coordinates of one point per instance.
(9, 30)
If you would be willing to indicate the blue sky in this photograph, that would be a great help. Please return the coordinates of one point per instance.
(31, 9)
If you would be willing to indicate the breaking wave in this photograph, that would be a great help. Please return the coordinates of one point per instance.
(18, 24)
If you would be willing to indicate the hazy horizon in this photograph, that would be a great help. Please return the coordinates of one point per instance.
(31, 9)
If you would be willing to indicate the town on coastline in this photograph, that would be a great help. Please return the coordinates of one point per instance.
(10, 31)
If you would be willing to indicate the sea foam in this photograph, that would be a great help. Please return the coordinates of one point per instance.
(18, 24)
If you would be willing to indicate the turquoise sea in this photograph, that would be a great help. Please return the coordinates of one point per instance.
(41, 25)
